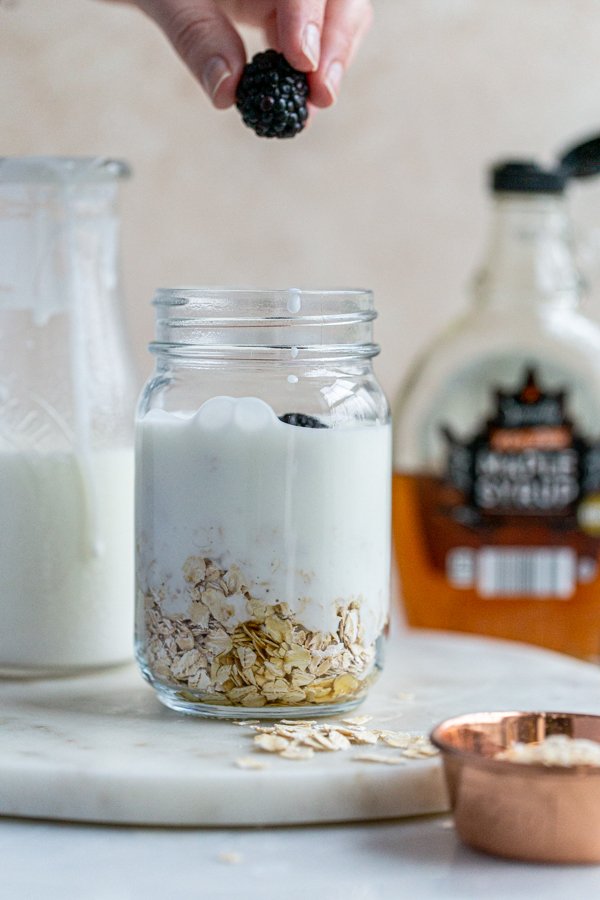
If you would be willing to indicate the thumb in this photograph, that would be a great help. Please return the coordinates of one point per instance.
(205, 40)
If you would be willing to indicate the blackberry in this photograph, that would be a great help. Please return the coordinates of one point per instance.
(302, 420)
(271, 96)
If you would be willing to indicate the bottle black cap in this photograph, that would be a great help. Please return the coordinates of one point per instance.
(583, 160)
(526, 177)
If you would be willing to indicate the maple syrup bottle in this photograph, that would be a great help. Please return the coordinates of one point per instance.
(496, 495)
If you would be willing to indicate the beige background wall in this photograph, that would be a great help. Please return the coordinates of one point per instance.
(385, 190)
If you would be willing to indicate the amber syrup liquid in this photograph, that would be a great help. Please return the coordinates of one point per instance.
(422, 535)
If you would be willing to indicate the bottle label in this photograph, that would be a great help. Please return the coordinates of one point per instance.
(526, 459)
(517, 511)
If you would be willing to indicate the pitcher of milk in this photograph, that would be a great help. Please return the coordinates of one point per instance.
(67, 393)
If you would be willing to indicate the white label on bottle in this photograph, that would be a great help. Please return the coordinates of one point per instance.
(460, 567)
(514, 571)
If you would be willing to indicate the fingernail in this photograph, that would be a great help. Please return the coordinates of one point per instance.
(311, 44)
(333, 79)
(216, 71)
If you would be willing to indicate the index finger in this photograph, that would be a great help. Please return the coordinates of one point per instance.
(345, 24)
(299, 28)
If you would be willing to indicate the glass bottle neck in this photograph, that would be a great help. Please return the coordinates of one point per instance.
(530, 258)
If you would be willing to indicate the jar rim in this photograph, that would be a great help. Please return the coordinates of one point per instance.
(239, 306)
(60, 169)
(198, 297)
(212, 321)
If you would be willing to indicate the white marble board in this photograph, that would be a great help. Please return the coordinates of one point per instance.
(101, 748)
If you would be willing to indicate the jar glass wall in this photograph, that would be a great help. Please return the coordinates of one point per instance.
(262, 503)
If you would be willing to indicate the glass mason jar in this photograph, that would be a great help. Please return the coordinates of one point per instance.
(263, 463)
(67, 396)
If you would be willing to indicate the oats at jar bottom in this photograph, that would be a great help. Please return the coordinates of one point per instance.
(266, 657)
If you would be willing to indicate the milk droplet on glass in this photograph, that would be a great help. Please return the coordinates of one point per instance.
(294, 303)
(292, 379)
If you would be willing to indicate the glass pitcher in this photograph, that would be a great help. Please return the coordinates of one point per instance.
(67, 393)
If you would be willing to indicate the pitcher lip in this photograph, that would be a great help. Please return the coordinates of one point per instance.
(59, 169)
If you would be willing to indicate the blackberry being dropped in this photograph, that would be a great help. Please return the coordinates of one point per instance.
(271, 96)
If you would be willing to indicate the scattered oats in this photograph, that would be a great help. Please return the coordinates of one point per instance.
(246, 722)
(338, 740)
(357, 720)
(420, 751)
(250, 762)
(299, 739)
(362, 736)
(303, 722)
(333, 741)
(230, 857)
(398, 739)
(380, 758)
(295, 752)
(289, 731)
(271, 743)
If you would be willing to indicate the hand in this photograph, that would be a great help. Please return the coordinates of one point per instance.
(319, 37)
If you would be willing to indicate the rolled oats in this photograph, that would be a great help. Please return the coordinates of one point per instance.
(230, 857)
(271, 743)
(250, 762)
(380, 758)
(262, 656)
(288, 738)
(554, 750)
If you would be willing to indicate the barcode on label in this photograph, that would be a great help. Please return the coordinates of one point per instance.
(514, 571)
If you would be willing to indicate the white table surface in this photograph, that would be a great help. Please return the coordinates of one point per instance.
(409, 858)
(403, 858)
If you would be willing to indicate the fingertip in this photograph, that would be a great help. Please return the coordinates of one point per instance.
(302, 48)
(224, 93)
(224, 99)
(325, 85)
(208, 44)
(320, 97)
(216, 76)
(311, 45)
